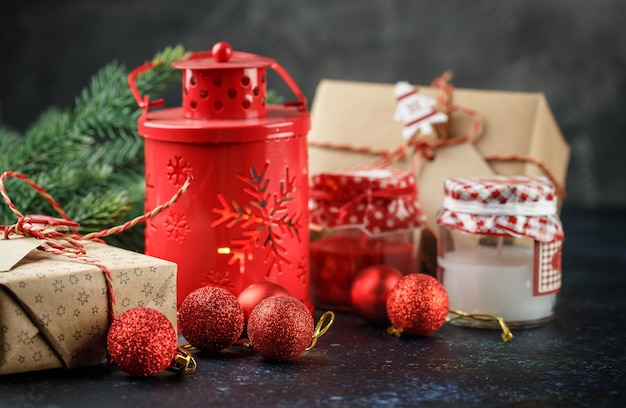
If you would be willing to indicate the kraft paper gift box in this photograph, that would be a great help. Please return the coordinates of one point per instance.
(362, 114)
(54, 310)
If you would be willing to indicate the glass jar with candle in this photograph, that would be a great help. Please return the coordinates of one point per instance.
(361, 217)
(499, 250)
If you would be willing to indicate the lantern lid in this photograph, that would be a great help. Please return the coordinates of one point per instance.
(222, 56)
(170, 125)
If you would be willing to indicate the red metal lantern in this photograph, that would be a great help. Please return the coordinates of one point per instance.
(245, 217)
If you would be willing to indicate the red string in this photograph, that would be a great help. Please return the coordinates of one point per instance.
(425, 146)
(54, 233)
(560, 189)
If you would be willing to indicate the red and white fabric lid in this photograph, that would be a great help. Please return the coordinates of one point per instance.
(375, 200)
(502, 205)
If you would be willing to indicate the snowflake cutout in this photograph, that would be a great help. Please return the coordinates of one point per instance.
(176, 226)
(303, 270)
(177, 170)
(264, 221)
(217, 279)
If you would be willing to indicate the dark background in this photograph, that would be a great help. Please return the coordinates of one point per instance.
(572, 50)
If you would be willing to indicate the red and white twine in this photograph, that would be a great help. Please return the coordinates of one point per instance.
(424, 146)
(53, 230)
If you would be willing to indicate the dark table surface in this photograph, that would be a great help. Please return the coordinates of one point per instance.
(576, 360)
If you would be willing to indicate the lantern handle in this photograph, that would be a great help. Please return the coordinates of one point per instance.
(301, 102)
(143, 102)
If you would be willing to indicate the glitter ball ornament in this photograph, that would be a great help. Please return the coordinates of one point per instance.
(255, 293)
(280, 328)
(210, 318)
(370, 289)
(417, 305)
(142, 342)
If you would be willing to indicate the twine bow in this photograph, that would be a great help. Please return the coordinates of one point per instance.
(54, 231)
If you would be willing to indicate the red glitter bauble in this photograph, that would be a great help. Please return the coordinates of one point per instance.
(210, 318)
(417, 305)
(280, 328)
(255, 293)
(142, 341)
(370, 289)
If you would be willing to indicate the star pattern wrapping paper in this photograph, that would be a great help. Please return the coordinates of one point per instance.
(54, 310)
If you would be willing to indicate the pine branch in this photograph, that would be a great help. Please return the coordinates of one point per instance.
(124, 155)
(45, 144)
(64, 183)
(8, 137)
(161, 75)
(106, 109)
(94, 210)
(134, 237)
(89, 158)
(274, 98)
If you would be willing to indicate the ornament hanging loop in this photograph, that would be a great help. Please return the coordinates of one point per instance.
(394, 331)
(321, 327)
(55, 229)
(507, 335)
(183, 362)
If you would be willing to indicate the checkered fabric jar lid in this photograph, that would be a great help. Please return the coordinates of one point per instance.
(375, 200)
(501, 205)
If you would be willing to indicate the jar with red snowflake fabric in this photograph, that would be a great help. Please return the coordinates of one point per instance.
(361, 217)
(499, 249)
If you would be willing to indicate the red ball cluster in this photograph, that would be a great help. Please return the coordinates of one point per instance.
(415, 304)
(280, 327)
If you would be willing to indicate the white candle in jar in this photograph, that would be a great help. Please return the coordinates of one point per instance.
(494, 281)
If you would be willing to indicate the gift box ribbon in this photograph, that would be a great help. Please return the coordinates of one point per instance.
(54, 231)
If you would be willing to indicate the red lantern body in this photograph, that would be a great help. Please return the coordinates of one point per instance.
(245, 218)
